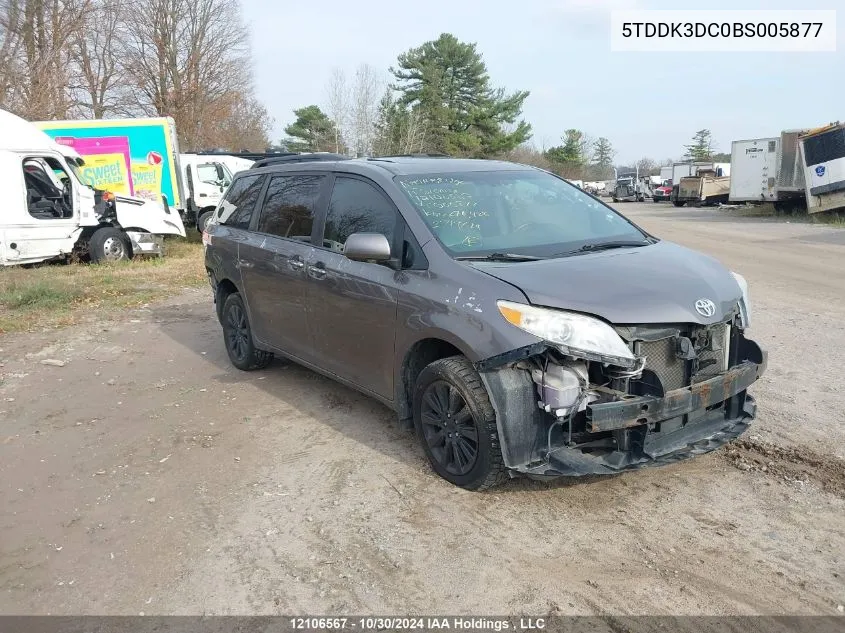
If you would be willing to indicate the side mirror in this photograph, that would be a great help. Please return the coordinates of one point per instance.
(221, 175)
(363, 247)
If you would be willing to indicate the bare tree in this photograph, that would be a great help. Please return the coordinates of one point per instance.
(338, 107)
(34, 55)
(241, 123)
(187, 57)
(98, 52)
(366, 93)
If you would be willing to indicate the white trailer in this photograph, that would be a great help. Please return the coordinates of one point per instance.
(768, 170)
(754, 163)
(823, 161)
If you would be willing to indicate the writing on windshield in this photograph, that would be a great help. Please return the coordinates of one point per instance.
(448, 203)
(526, 212)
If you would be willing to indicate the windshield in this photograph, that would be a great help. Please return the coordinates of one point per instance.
(74, 168)
(207, 173)
(525, 212)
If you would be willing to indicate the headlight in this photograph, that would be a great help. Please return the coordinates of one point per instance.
(575, 334)
(744, 303)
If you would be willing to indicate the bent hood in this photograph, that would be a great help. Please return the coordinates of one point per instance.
(660, 283)
(134, 213)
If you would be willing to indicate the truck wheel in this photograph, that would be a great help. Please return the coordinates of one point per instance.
(237, 335)
(679, 203)
(109, 244)
(202, 221)
(456, 425)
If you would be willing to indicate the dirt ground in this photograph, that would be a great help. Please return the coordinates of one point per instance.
(145, 475)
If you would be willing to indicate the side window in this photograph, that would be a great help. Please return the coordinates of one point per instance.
(357, 207)
(289, 206)
(48, 189)
(237, 207)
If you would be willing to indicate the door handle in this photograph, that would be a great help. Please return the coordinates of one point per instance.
(244, 264)
(317, 272)
(296, 264)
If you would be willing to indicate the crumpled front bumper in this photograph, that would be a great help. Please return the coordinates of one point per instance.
(646, 430)
(655, 449)
(693, 421)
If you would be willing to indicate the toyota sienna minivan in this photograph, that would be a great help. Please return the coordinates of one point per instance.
(521, 325)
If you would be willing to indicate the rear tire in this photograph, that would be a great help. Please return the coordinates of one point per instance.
(202, 221)
(237, 336)
(679, 203)
(109, 244)
(456, 425)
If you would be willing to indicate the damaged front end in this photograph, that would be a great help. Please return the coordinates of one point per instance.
(681, 393)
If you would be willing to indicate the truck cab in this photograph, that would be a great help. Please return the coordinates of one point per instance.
(206, 178)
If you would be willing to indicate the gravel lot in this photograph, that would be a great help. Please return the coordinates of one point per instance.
(146, 475)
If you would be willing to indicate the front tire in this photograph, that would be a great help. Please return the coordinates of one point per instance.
(109, 244)
(237, 336)
(456, 425)
(202, 221)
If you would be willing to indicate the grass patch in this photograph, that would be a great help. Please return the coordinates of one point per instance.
(60, 295)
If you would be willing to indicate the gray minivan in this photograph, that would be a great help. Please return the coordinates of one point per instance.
(521, 325)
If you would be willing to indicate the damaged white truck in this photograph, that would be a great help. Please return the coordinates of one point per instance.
(49, 213)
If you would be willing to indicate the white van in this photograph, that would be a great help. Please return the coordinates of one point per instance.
(49, 213)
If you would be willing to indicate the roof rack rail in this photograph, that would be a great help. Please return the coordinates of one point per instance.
(244, 154)
(298, 158)
(420, 155)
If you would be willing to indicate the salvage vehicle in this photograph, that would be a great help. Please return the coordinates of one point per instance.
(823, 157)
(707, 184)
(50, 213)
(663, 192)
(521, 325)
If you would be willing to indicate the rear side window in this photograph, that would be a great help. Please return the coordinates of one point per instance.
(237, 207)
(357, 207)
(290, 205)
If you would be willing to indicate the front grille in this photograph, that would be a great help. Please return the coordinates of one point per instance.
(674, 372)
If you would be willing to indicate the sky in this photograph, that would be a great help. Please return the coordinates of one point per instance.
(647, 104)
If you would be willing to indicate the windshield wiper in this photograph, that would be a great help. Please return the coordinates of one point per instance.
(603, 246)
(500, 257)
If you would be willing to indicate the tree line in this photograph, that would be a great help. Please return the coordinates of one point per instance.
(438, 98)
(188, 59)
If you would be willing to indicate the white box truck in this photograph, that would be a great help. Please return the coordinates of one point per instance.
(823, 160)
(140, 157)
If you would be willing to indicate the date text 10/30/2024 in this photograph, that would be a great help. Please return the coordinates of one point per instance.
(417, 623)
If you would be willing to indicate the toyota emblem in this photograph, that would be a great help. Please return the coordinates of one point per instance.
(705, 307)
